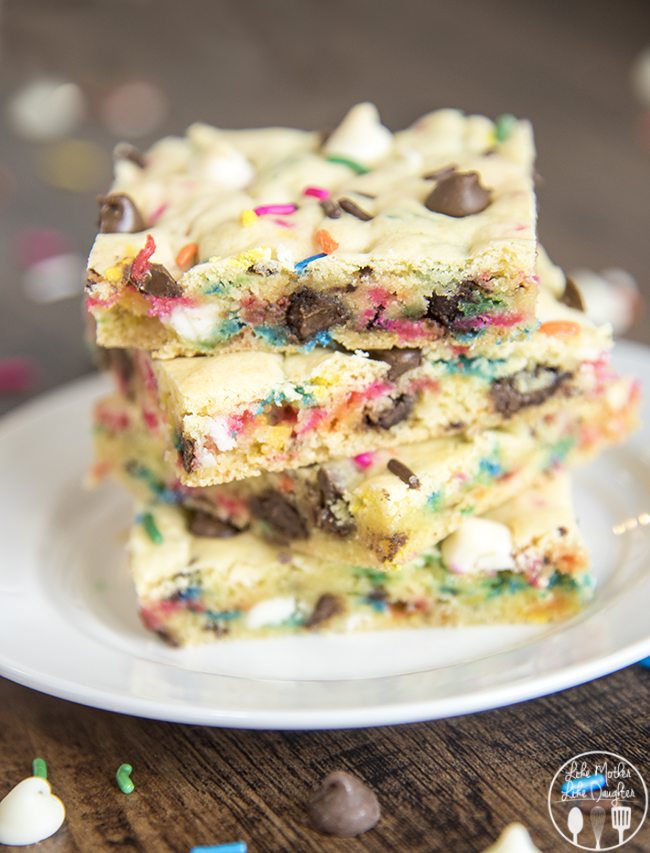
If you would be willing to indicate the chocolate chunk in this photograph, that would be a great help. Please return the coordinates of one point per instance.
(157, 281)
(204, 524)
(459, 194)
(388, 547)
(343, 806)
(310, 312)
(446, 310)
(265, 268)
(331, 209)
(326, 607)
(572, 295)
(333, 511)
(396, 412)
(439, 174)
(526, 388)
(118, 214)
(399, 469)
(126, 151)
(400, 360)
(187, 451)
(353, 209)
(168, 638)
(280, 514)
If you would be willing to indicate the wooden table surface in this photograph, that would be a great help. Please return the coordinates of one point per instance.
(447, 785)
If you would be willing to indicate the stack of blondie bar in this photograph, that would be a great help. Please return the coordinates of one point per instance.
(348, 381)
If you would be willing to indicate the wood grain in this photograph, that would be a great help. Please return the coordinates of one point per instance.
(444, 786)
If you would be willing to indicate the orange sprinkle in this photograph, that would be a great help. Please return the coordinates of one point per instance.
(560, 327)
(326, 242)
(186, 257)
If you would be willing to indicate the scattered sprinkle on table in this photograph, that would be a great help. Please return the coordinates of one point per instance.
(645, 662)
(123, 777)
(230, 847)
(39, 768)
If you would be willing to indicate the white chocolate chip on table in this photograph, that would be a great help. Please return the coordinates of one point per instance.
(514, 839)
(30, 813)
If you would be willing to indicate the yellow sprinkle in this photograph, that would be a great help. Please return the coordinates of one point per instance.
(248, 217)
(113, 274)
(246, 259)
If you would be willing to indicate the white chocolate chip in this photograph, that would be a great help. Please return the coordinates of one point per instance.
(361, 136)
(479, 545)
(194, 324)
(219, 432)
(273, 611)
(30, 813)
(513, 839)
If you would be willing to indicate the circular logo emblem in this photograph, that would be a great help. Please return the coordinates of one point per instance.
(598, 801)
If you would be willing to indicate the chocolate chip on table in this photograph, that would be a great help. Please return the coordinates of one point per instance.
(327, 606)
(331, 209)
(572, 297)
(126, 151)
(459, 194)
(332, 512)
(511, 393)
(399, 469)
(157, 281)
(400, 360)
(394, 413)
(446, 310)
(206, 525)
(280, 514)
(440, 174)
(353, 209)
(309, 312)
(343, 806)
(118, 214)
(188, 453)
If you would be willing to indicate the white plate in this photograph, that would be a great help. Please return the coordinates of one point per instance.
(68, 624)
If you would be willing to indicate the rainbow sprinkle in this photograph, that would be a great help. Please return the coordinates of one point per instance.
(151, 528)
(276, 209)
(351, 164)
(317, 192)
(301, 266)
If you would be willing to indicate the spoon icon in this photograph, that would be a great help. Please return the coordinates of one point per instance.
(575, 823)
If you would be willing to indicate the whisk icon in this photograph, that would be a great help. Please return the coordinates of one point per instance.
(597, 819)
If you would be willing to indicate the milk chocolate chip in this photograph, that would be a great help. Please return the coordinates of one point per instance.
(280, 514)
(118, 214)
(326, 607)
(333, 512)
(398, 410)
(343, 806)
(353, 209)
(572, 295)
(459, 194)
(399, 469)
(400, 360)
(446, 310)
(526, 388)
(187, 451)
(310, 312)
(157, 281)
(203, 524)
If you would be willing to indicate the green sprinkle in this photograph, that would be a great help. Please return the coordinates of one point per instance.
(351, 164)
(151, 528)
(124, 781)
(376, 577)
(467, 510)
(504, 126)
(39, 768)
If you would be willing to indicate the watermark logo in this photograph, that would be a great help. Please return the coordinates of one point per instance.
(598, 801)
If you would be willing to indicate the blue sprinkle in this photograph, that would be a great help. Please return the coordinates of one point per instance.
(490, 467)
(320, 339)
(645, 662)
(301, 266)
(230, 847)
(223, 615)
(575, 787)
(377, 604)
(434, 500)
(273, 336)
(192, 593)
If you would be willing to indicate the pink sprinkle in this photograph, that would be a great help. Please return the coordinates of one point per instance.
(278, 209)
(162, 306)
(364, 460)
(150, 419)
(317, 192)
(158, 212)
(283, 223)
(16, 375)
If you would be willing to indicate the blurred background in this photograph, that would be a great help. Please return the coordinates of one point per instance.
(77, 76)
